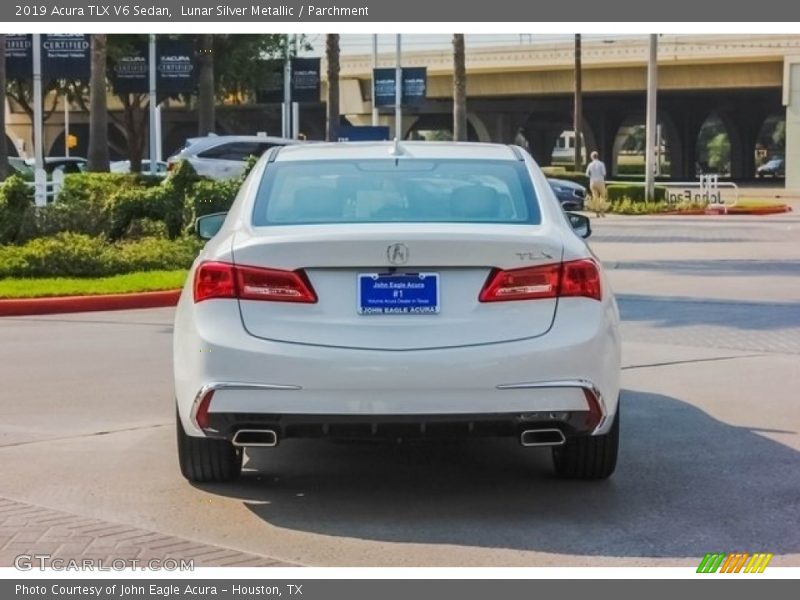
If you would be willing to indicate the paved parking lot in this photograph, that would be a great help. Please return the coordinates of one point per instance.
(710, 445)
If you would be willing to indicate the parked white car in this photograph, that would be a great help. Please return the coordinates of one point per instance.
(412, 290)
(124, 166)
(224, 156)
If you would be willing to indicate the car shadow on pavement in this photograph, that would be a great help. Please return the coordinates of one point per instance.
(686, 484)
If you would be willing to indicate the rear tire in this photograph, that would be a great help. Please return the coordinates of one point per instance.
(588, 457)
(205, 460)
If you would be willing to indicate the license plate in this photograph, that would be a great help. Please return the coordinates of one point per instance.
(393, 293)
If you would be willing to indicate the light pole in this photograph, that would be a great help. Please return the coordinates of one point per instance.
(578, 116)
(40, 177)
(650, 126)
(374, 66)
(398, 92)
(153, 104)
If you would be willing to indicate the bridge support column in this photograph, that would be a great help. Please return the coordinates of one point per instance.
(542, 137)
(690, 123)
(791, 100)
(605, 126)
(502, 126)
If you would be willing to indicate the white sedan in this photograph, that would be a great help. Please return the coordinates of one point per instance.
(396, 291)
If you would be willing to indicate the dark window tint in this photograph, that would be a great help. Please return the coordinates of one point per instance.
(236, 150)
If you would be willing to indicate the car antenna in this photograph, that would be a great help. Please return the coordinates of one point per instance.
(397, 149)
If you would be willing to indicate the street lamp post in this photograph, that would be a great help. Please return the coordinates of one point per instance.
(398, 92)
(153, 104)
(40, 177)
(650, 126)
(374, 66)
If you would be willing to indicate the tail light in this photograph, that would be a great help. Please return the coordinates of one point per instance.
(580, 278)
(201, 417)
(224, 280)
(522, 284)
(574, 278)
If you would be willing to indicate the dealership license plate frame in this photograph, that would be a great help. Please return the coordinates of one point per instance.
(380, 300)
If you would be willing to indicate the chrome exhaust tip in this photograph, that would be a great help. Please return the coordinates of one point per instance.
(255, 438)
(542, 437)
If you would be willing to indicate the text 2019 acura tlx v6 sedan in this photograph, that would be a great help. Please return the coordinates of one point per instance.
(396, 290)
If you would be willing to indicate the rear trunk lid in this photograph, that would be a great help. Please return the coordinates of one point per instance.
(351, 267)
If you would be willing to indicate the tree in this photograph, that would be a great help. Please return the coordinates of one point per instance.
(578, 118)
(3, 143)
(236, 78)
(459, 89)
(332, 108)
(98, 107)
(21, 92)
(206, 96)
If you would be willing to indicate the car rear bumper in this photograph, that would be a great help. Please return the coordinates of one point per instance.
(305, 388)
(226, 425)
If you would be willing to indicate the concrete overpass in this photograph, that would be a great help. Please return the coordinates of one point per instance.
(740, 80)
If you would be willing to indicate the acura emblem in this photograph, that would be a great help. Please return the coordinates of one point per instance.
(397, 254)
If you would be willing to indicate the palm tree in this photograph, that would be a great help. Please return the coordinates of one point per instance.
(577, 125)
(205, 85)
(98, 107)
(332, 57)
(3, 144)
(459, 89)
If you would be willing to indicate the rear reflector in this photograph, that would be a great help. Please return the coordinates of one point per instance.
(224, 280)
(595, 414)
(201, 416)
(574, 278)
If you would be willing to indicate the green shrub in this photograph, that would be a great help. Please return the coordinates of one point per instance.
(634, 192)
(212, 196)
(16, 197)
(63, 254)
(78, 255)
(554, 170)
(116, 205)
(79, 208)
(151, 254)
(164, 202)
(627, 206)
(630, 170)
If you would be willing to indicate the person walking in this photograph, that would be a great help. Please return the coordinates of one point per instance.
(596, 172)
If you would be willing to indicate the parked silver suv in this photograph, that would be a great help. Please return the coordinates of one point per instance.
(224, 156)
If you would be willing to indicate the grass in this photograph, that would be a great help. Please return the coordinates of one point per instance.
(149, 281)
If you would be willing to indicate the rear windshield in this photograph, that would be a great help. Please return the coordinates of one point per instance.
(396, 190)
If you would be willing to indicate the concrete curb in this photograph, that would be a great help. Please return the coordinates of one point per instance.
(772, 210)
(69, 304)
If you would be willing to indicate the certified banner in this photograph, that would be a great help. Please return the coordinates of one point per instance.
(414, 85)
(66, 56)
(130, 74)
(175, 71)
(305, 79)
(19, 57)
